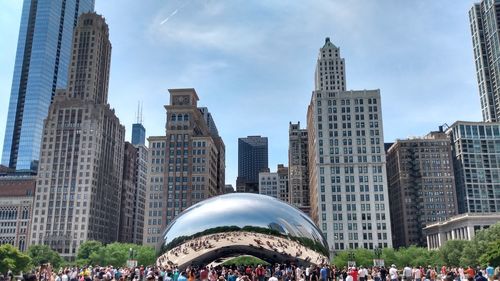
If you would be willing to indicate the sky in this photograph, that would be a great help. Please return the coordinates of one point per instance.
(252, 62)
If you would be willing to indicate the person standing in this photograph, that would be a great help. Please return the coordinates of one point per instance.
(383, 273)
(393, 273)
(407, 273)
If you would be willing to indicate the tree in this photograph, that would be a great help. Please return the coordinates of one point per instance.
(85, 250)
(492, 254)
(41, 254)
(12, 259)
(451, 252)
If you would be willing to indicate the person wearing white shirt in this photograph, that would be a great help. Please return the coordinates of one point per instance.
(393, 273)
(417, 274)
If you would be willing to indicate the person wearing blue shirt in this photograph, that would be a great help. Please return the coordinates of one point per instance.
(182, 277)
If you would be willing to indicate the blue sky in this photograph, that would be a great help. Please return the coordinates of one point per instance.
(252, 62)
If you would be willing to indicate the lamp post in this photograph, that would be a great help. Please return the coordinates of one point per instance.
(352, 261)
(378, 254)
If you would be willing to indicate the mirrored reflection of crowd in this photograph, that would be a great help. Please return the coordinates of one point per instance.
(277, 272)
(257, 241)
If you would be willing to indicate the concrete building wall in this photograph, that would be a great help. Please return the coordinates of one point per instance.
(16, 204)
(347, 165)
(460, 227)
(421, 186)
(81, 161)
(298, 172)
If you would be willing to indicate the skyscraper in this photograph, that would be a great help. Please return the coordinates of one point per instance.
(80, 175)
(484, 17)
(252, 159)
(187, 165)
(421, 186)
(347, 171)
(275, 184)
(138, 134)
(298, 173)
(476, 154)
(41, 66)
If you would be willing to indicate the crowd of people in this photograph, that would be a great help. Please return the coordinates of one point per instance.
(258, 241)
(277, 272)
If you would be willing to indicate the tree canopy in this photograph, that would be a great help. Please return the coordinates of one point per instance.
(12, 259)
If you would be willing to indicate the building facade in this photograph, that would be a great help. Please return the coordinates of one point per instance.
(127, 193)
(484, 17)
(41, 66)
(421, 186)
(476, 161)
(461, 227)
(252, 159)
(141, 180)
(155, 203)
(298, 171)
(138, 134)
(347, 165)
(275, 184)
(16, 208)
(80, 173)
(192, 161)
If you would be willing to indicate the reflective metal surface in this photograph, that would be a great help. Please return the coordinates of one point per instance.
(243, 223)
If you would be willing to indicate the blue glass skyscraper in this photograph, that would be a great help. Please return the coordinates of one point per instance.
(138, 134)
(41, 67)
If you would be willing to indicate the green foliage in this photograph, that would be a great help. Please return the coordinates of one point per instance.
(115, 254)
(492, 254)
(451, 252)
(413, 256)
(41, 254)
(12, 259)
(245, 260)
(84, 251)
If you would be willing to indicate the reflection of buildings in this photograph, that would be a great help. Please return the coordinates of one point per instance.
(187, 165)
(421, 186)
(81, 160)
(16, 204)
(461, 227)
(228, 188)
(298, 176)
(275, 184)
(252, 159)
(347, 171)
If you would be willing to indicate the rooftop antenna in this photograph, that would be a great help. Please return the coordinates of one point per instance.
(140, 115)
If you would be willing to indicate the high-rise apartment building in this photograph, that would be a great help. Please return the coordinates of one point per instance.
(476, 161)
(139, 206)
(252, 159)
(298, 171)
(155, 185)
(275, 184)
(187, 166)
(133, 197)
(347, 169)
(80, 173)
(421, 186)
(127, 193)
(484, 17)
(41, 66)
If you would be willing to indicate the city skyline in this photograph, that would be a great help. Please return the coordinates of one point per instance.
(278, 82)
